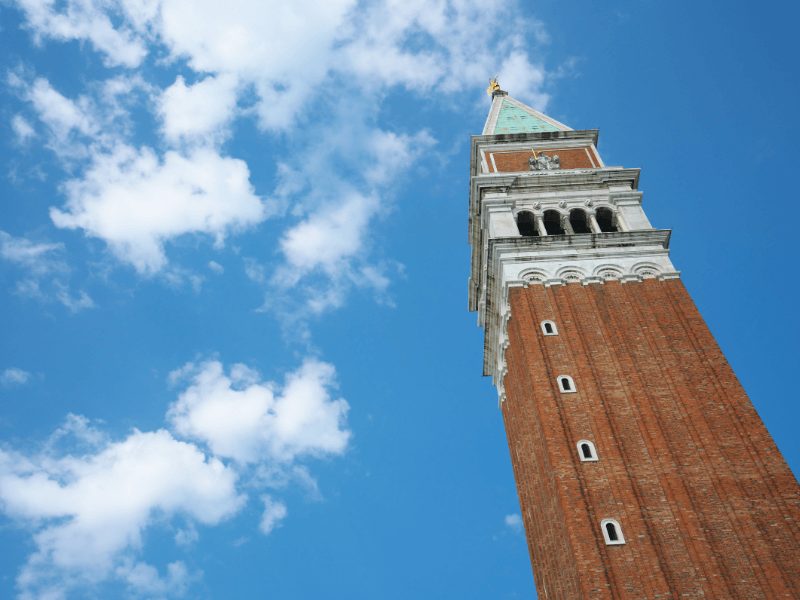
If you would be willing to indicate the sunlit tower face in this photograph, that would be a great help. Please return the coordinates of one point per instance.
(642, 469)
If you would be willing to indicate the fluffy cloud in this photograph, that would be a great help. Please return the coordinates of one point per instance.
(136, 202)
(76, 128)
(14, 376)
(284, 67)
(337, 49)
(526, 79)
(89, 499)
(200, 111)
(419, 44)
(66, 121)
(58, 112)
(328, 236)
(89, 511)
(247, 420)
(133, 198)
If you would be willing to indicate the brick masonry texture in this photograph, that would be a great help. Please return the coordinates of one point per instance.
(571, 158)
(707, 504)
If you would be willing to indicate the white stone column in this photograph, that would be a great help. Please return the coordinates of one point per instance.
(593, 224)
(566, 225)
(540, 225)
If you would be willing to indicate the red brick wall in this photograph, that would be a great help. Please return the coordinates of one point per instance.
(707, 505)
(570, 158)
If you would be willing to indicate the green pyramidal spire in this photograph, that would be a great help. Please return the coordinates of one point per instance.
(509, 115)
(513, 119)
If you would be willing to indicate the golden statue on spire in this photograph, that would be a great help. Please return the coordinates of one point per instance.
(493, 86)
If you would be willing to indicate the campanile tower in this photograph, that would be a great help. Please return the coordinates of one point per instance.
(642, 468)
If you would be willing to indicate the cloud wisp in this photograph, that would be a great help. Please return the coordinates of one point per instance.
(14, 376)
(44, 272)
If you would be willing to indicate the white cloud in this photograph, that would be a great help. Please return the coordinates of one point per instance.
(200, 111)
(441, 46)
(14, 376)
(248, 420)
(514, 522)
(76, 128)
(22, 129)
(58, 112)
(90, 511)
(421, 45)
(274, 513)
(37, 258)
(330, 235)
(77, 429)
(332, 241)
(315, 52)
(44, 272)
(144, 579)
(187, 536)
(89, 500)
(73, 302)
(215, 267)
(68, 123)
(254, 271)
(136, 202)
(84, 20)
(392, 154)
(283, 66)
(517, 73)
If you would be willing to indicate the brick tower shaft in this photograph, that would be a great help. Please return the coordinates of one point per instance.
(708, 507)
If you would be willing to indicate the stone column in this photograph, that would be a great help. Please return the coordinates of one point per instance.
(540, 225)
(566, 225)
(593, 224)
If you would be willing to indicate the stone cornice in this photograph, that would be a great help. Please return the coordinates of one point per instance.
(532, 138)
(539, 181)
(582, 242)
(584, 259)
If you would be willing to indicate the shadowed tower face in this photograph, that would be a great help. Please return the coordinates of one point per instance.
(642, 469)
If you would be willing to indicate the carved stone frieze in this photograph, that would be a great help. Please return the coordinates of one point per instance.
(542, 162)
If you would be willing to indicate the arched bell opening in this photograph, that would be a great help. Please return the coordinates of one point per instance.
(552, 222)
(526, 224)
(579, 221)
(606, 220)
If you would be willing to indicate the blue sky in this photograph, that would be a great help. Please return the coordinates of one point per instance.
(236, 358)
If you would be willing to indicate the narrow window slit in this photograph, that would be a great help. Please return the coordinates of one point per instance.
(549, 328)
(565, 384)
(587, 451)
(612, 532)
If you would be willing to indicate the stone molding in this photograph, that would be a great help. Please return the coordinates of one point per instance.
(584, 259)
